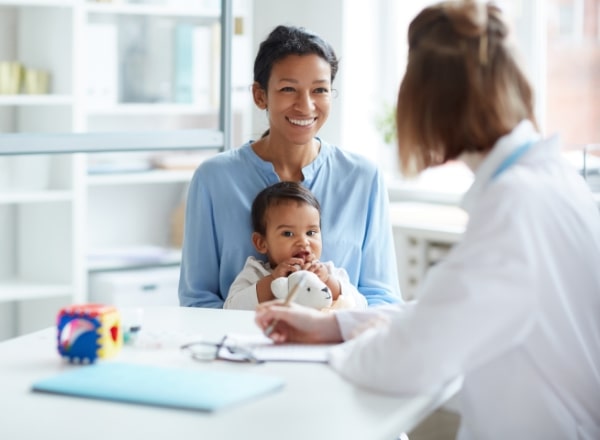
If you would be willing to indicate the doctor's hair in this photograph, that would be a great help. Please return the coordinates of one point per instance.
(463, 88)
(274, 195)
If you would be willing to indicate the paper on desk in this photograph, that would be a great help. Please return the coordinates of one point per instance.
(263, 349)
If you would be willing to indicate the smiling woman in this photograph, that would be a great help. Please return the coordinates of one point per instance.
(293, 75)
(298, 99)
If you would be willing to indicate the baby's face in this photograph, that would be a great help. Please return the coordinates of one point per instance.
(293, 231)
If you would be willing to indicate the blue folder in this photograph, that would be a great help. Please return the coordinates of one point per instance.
(160, 386)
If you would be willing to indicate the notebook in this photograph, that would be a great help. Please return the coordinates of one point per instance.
(160, 386)
(264, 350)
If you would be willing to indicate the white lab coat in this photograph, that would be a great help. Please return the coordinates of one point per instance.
(514, 307)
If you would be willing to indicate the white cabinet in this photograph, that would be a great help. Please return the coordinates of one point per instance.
(151, 67)
(423, 234)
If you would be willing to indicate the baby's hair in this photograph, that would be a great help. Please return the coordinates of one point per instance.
(275, 194)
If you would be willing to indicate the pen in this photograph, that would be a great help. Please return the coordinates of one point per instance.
(287, 302)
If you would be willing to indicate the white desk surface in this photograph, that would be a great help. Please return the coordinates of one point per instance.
(316, 403)
(430, 216)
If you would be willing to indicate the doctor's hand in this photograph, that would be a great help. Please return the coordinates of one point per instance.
(295, 323)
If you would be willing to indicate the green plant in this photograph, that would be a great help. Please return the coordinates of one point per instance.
(386, 123)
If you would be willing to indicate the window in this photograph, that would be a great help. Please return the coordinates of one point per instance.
(573, 70)
(559, 43)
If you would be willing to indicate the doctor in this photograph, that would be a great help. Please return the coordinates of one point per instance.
(515, 306)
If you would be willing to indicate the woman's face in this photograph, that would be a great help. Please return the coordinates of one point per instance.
(298, 98)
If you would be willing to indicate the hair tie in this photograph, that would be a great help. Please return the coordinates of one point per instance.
(483, 49)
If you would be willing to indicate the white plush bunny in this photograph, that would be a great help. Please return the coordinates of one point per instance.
(312, 292)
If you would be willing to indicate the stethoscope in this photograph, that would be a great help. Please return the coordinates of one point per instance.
(512, 158)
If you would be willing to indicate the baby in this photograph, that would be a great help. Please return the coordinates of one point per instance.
(286, 219)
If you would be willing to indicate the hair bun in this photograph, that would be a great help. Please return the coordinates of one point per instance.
(468, 17)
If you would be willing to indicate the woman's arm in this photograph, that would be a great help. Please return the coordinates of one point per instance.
(378, 280)
(199, 277)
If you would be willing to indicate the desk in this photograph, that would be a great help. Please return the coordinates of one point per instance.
(314, 404)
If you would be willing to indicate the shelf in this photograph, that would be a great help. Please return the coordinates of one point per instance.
(42, 196)
(132, 257)
(94, 173)
(34, 100)
(44, 143)
(17, 290)
(46, 3)
(157, 10)
(149, 109)
(114, 265)
(154, 176)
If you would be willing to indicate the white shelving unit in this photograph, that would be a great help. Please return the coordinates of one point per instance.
(423, 234)
(147, 67)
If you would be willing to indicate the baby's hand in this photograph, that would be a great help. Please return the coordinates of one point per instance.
(318, 268)
(286, 267)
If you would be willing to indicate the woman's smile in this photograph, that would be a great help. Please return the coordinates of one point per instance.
(302, 122)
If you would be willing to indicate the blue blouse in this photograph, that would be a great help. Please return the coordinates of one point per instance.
(355, 225)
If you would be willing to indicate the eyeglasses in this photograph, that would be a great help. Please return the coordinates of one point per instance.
(209, 351)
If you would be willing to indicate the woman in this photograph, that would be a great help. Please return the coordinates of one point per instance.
(515, 306)
(293, 74)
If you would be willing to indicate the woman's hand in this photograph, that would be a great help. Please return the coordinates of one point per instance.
(296, 323)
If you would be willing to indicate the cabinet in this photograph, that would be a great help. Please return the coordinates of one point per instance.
(118, 76)
(423, 234)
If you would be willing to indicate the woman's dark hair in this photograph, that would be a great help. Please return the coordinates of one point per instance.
(275, 194)
(290, 40)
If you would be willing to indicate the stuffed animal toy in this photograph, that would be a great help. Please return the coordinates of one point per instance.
(312, 291)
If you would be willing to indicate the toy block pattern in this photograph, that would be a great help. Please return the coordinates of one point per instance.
(88, 331)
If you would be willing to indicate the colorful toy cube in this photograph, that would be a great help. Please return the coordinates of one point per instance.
(88, 331)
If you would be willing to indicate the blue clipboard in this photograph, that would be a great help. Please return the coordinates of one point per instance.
(160, 386)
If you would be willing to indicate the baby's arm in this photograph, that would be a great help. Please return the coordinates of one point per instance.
(349, 296)
(263, 289)
(243, 293)
(283, 269)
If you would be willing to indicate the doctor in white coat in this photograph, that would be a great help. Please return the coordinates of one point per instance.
(515, 306)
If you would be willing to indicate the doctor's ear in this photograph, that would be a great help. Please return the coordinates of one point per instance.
(259, 95)
(259, 242)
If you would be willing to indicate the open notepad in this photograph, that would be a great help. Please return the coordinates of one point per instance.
(264, 350)
(160, 386)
